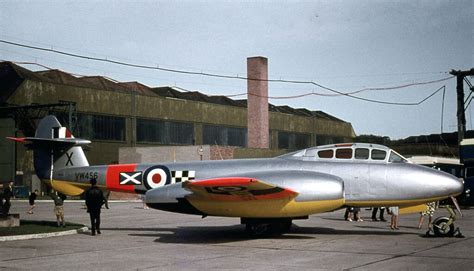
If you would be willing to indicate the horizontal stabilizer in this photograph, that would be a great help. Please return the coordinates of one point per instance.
(59, 143)
(237, 189)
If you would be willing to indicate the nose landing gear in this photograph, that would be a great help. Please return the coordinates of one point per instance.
(444, 226)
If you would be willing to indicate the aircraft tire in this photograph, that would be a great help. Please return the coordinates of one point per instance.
(256, 230)
(285, 225)
(439, 227)
(261, 229)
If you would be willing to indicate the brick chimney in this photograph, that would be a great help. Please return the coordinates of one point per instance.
(257, 103)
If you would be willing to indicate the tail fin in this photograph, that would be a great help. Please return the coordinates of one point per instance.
(54, 148)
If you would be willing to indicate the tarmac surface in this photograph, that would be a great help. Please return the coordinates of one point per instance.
(137, 239)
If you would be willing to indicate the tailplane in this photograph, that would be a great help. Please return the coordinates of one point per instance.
(54, 148)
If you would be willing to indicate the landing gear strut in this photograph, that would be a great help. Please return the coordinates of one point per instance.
(444, 226)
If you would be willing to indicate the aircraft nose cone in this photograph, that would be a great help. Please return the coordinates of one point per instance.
(456, 186)
(450, 184)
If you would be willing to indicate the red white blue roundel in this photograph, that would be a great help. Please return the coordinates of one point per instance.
(157, 176)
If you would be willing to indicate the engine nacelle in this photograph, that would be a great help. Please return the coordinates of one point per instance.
(317, 192)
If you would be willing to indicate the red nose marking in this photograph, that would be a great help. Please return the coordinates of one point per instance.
(156, 178)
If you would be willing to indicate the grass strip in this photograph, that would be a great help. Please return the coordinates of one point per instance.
(35, 227)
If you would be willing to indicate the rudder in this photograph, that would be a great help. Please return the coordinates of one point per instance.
(53, 142)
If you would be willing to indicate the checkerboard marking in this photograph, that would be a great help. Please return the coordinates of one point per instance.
(178, 176)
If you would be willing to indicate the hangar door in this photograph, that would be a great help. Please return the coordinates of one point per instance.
(7, 150)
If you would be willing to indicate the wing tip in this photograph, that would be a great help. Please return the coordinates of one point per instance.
(16, 139)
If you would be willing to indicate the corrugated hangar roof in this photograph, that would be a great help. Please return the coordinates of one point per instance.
(11, 76)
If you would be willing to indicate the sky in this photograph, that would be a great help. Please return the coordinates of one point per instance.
(342, 45)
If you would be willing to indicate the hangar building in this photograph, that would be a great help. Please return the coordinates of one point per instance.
(115, 114)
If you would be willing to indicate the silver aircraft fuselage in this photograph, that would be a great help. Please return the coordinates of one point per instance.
(358, 181)
(323, 178)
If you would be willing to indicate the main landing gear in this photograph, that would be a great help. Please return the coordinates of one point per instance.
(261, 227)
(444, 226)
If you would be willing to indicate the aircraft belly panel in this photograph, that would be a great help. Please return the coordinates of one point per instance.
(391, 202)
(263, 209)
(67, 188)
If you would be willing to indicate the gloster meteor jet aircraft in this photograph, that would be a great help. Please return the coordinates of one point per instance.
(267, 194)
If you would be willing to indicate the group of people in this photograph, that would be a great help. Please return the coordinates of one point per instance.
(94, 198)
(353, 214)
(58, 199)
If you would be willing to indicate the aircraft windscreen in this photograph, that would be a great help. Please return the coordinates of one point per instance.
(396, 158)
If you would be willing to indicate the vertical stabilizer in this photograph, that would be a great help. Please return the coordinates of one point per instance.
(53, 148)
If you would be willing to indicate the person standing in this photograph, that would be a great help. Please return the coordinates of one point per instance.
(394, 219)
(1, 199)
(430, 210)
(143, 199)
(348, 215)
(357, 214)
(374, 213)
(32, 199)
(106, 196)
(7, 195)
(94, 200)
(58, 199)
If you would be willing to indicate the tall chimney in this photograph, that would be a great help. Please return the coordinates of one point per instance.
(257, 102)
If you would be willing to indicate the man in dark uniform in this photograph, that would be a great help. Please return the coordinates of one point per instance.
(1, 200)
(7, 194)
(94, 200)
(374, 214)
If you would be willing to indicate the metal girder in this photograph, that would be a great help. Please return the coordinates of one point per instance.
(25, 116)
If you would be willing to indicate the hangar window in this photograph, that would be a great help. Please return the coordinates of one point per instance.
(361, 153)
(150, 131)
(344, 153)
(180, 133)
(236, 137)
(326, 154)
(98, 127)
(108, 128)
(164, 132)
(293, 141)
(225, 136)
(378, 154)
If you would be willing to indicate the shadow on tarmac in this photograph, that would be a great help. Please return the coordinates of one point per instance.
(236, 233)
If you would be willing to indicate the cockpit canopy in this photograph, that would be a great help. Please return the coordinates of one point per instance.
(348, 151)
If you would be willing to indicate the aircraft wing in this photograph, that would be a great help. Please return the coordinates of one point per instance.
(238, 189)
(262, 194)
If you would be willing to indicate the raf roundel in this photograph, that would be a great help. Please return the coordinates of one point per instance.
(157, 176)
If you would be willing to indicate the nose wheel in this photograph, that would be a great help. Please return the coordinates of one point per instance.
(444, 226)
